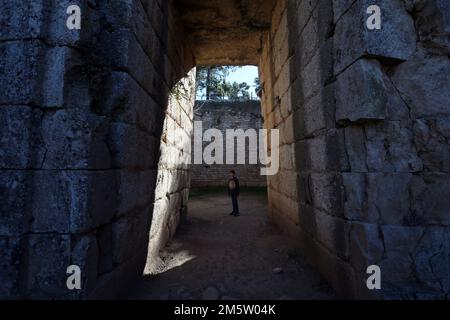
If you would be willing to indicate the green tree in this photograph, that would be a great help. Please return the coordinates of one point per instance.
(258, 88)
(238, 91)
(212, 84)
(212, 80)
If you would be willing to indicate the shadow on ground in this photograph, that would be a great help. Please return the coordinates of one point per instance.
(217, 256)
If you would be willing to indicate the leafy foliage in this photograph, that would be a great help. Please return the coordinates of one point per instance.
(212, 84)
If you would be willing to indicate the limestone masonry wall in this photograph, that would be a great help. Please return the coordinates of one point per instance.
(81, 117)
(364, 118)
(228, 115)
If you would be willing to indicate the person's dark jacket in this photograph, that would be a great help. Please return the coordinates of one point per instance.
(236, 189)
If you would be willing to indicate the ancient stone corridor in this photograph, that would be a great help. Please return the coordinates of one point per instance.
(96, 124)
(216, 256)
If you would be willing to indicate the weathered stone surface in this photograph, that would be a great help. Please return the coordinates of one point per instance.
(332, 232)
(317, 114)
(424, 84)
(361, 93)
(314, 34)
(366, 246)
(396, 39)
(135, 189)
(321, 153)
(355, 148)
(318, 72)
(397, 109)
(128, 232)
(9, 266)
(429, 198)
(18, 137)
(31, 73)
(48, 259)
(132, 148)
(433, 23)
(340, 7)
(325, 192)
(85, 255)
(14, 204)
(72, 201)
(74, 139)
(430, 139)
(129, 103)
(432, 259)
(40, 19)
(390, 147)
(382, 147)
(377, 197)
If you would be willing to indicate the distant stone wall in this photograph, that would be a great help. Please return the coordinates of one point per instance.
(228, 115)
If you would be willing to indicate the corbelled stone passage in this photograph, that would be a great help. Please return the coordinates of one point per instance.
(229, 115)
(364, 118)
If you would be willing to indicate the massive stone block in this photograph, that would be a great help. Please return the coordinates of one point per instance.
(11, 248)
(395, 41)
(135, 189)
(132, 148)
(48, 258)
(366, 245)
(423, 83)
(429, 200)
(14, 204)
(433, 23)
(128, 233)
(377, 197)
(19, 137)
(361, 93)
(33, 74)
(72, 201)
(73, 139)
(430, 138)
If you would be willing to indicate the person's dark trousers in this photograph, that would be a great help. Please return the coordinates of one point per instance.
(234, 199)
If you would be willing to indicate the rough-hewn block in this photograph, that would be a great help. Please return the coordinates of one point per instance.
(72, 201)
(135, 189)
(366, 246)
(430, 202)
(19, 137)
(424, 84)
(74, 139)
(31, 73)
(332, 232)
(48, 259)
(129, 103)
(11, 248)
(395, 40)
(376, 197)
(132, 148)
(361, 93)
(130, 232)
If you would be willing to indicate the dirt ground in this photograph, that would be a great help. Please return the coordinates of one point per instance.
(218, 256)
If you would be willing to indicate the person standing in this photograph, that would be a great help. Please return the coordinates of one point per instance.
(233, 191)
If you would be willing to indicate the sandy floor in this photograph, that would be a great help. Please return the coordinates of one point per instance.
(217, 256)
